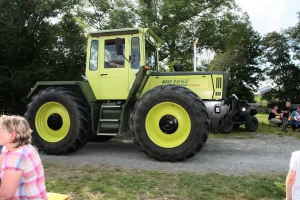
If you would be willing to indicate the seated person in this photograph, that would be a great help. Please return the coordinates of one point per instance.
(293, 122)
(117, 61)
(22, 172)
(272, 117)
(297, 119)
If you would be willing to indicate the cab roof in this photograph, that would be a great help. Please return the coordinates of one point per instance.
(125, 31)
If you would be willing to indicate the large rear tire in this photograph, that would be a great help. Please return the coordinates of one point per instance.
(59, 120)
(170, 123)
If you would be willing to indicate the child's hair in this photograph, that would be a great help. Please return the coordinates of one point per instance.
(19, 125)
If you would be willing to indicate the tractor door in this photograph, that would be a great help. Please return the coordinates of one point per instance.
(111, 75)
(114, 69)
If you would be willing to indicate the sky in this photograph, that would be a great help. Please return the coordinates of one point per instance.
(271, 15)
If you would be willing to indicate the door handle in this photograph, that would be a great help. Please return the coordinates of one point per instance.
(103, 74)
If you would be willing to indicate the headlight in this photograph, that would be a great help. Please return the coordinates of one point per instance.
(243, 109)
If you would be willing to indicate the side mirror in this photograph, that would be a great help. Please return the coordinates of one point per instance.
(119, 46)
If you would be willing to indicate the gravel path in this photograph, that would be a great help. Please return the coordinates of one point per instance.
(265, 153)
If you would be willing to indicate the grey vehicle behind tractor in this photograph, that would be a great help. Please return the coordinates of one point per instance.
(244, 116)
(170, 114)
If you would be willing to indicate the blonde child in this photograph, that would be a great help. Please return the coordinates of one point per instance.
(22, 172)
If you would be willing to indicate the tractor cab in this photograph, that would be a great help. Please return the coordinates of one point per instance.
(114, 58)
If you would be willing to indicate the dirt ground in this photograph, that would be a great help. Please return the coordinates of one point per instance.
(264, 153)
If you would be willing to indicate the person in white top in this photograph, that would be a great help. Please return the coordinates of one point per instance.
(293, 178)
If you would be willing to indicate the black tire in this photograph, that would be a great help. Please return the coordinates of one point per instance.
(59, 120)
(226, 128)
(251, 124)
(170, 123)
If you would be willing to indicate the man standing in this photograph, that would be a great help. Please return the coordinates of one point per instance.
(285, 116)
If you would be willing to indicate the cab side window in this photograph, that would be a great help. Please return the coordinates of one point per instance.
(93, 65)
(135, 53)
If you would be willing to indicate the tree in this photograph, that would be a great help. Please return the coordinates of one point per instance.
(69, 53)
(177, 22)
(294, 33)
(180, 22)
(105, 14)
(30, 46)
(280, 68)
(241, 60)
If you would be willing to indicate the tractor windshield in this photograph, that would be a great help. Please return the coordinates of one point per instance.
(151, 56)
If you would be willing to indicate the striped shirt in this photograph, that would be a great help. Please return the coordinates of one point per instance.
(32, 182)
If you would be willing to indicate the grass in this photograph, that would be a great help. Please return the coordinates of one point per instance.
(108, 182)
(257, 98)
(104, 182)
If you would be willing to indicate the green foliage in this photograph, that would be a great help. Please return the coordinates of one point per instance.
(22, 35)
(180, 22)
(33, 49)
(69, 53)
(280, 68)
(105, 14)
(294, 33)
(241, 60)
(257, 99)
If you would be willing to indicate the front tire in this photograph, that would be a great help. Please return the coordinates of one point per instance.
(59, 120)
(170, 123)
(251, 124)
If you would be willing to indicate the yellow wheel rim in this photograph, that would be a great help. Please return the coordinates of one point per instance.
(168, 125)
(52, 122)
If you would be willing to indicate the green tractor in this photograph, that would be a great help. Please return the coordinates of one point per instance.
(170, 114)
